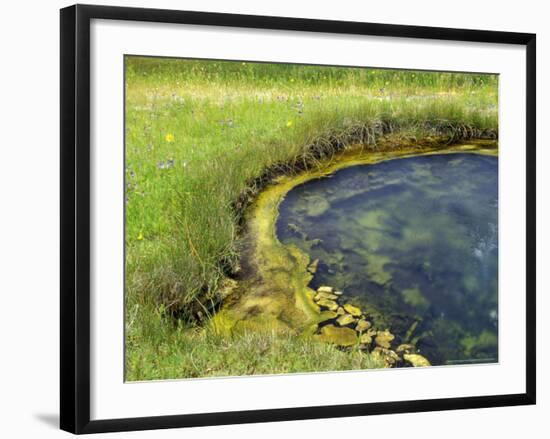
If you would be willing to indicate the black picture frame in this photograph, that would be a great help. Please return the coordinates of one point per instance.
(75, 217)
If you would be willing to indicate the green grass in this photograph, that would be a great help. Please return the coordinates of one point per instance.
(174, 351)
(198, 134)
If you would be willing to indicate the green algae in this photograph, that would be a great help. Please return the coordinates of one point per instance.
(415, 298)
(273, 292)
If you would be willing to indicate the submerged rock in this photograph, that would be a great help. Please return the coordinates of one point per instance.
(406, 348)
(384, 339)
(315, 242)
(416, 360)
(389, 357)
(317, 206)
(344, 337)
(353, 310)
(362, 325)
(338, 293)
(365, 339)
(331, 305)
(345, 319)
(327, 315)
(327, 296)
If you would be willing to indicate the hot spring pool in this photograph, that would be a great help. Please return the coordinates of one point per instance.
(414, 242)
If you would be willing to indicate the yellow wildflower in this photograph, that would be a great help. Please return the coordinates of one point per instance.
(289, 124)
(169, 137)
(140, 236)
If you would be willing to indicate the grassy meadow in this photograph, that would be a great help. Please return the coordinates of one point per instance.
(198, 135)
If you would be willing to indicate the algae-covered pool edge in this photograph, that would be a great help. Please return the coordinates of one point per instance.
(276, 283)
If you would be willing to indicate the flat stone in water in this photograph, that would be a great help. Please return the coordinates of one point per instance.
(327, 296)
(362, 325)
(384, 339)
(366, 338)
(328, 304)
(389, 356)
(416, 360)
(406, 348)
(344, 337)
(345, 320)
(353, 310)
(327, 315)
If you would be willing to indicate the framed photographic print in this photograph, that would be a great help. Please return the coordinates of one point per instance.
(267, 218)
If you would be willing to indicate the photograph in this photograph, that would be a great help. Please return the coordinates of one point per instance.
(270, 220)
(291, 218)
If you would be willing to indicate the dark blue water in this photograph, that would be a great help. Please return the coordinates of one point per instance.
(414, 242)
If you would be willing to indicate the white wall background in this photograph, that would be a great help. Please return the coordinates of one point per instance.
(29, 186)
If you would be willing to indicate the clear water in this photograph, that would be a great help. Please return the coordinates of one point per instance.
(414, 242)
